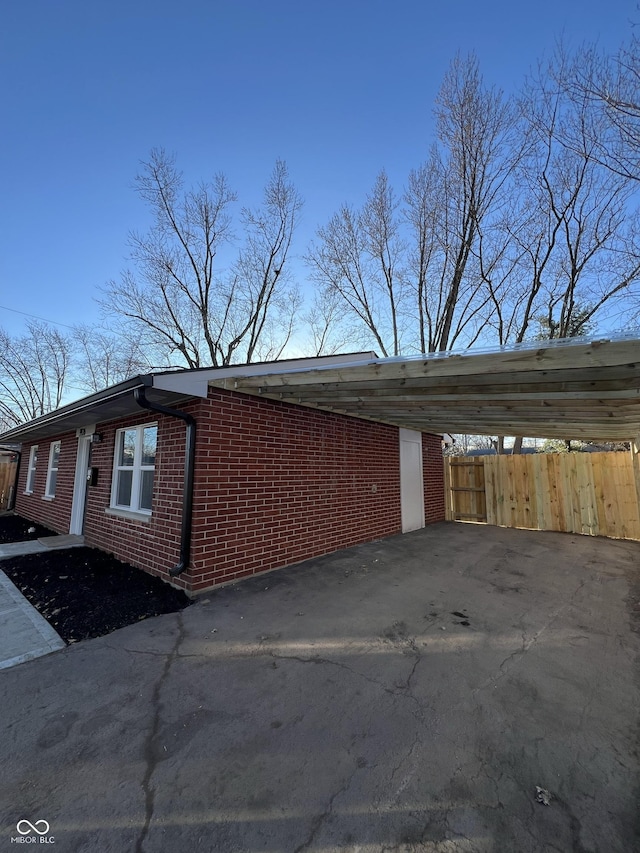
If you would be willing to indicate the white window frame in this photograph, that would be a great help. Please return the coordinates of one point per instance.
(51, 468)
(31, 470)
(137, 468)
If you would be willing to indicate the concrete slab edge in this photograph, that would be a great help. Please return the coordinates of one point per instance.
(59, 543)
(50, 636)
(31, 655)
(17, 549)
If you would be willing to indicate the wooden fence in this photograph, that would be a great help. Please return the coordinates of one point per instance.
(591, 493)
(464, 484)
(7, 477)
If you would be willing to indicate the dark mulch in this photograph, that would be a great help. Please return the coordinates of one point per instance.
(13, 528)
(84, 593)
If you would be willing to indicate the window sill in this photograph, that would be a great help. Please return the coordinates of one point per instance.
(28, 494)
(129, 514)
(48, 497)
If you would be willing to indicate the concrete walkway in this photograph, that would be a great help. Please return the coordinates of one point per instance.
(24, 633)
(39, 546)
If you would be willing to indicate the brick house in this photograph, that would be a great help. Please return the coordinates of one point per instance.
(185, 476)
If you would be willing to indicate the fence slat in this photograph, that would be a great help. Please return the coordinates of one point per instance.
(490, 490)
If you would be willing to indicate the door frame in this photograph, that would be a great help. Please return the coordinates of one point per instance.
(83, 456)
(411, 480)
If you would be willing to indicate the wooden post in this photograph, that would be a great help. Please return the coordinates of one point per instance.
(635, 456)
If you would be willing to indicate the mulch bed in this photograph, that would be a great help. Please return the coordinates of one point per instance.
(84, 593)
(13, 528)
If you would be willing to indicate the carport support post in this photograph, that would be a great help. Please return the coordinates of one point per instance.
(635, 456)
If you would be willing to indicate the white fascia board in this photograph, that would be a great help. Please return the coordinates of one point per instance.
(194, 383)
(292, 366)
(188, 383)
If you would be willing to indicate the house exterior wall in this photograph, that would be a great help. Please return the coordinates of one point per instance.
(284, 483)
(433, 478)
(275, 484)
(54, 513)
(152, 544)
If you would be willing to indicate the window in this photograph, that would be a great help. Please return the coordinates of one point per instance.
(31, 470)
(134, 468)
(52, 470)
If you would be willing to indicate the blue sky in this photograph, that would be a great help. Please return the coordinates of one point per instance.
(337, 88)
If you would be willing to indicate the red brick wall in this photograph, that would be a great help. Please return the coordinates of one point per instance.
(153, 544)
(284, 483)
(433, 476)
(55, 513)
(275, 484)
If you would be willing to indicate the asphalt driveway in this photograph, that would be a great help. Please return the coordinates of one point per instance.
(405, 695)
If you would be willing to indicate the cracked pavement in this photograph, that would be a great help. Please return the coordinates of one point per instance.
(405, 695)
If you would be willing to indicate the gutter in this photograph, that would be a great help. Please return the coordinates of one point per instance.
(139, 396)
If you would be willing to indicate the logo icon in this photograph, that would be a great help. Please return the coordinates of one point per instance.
(24, 827)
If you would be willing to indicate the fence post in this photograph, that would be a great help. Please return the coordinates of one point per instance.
(635, 457)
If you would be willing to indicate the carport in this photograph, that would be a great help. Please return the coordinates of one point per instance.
(561, 389)
(564, 389)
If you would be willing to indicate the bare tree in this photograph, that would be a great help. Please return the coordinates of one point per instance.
(444, 280)
(464, 443)
(339, 266)
(574, 248)
(358, 257)
(380, 226)
(477, 133)
(610, 85)
(422, 214)
(103, 358)
(262, 303)
(177, 300)
(571, 250)
(411, 276)
(33, 371)
(331, 329)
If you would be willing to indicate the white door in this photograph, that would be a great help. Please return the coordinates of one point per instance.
(411, 481)
(80, 485)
